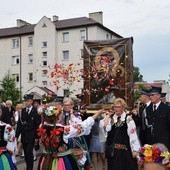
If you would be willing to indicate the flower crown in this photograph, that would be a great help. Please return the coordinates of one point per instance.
(154, 154)
(50, 111)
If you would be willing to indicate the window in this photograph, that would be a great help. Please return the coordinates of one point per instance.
(44, 54)
(66, 92)
(16, 77)
(15, 60)
(107, 36)
(65, 55)
(112, 36)
(30, 41)
(30, 58)
(30, 77)
(81, 53)
(44, 72)
(65, 37)
(44, 63)
(44, 43)
(44, 25)
(44, 83)
(82, 35)
(15, 43)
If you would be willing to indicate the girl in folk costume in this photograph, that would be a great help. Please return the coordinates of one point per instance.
(7, 147)
(156, 157)
(122, 144)
(54, 137)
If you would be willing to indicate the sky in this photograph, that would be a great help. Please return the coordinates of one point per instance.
(147, 21)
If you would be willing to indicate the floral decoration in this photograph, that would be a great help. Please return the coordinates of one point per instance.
(66, 130)
(120, 146)
(52, 110)
(133, 130)
(9, 129)
(154, 154)
(79, 128)
(50, 142)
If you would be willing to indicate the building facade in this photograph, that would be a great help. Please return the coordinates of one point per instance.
(30, 51)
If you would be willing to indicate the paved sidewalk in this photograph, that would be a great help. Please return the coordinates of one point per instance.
(21, 165)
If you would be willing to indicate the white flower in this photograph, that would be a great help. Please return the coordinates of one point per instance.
(50, 110)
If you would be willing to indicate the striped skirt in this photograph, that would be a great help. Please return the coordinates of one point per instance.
(64, 161)
(6, 161)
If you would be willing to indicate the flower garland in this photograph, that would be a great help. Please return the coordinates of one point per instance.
(49, 111)
(154, 154)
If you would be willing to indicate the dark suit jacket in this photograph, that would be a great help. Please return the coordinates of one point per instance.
(27, 126)
(142, 125)
(160, 121)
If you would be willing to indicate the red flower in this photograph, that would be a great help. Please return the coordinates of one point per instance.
(66, 129)
(13, 138)
(9, 128)
(41, 131)
(52, 74)
(119, 146)
(107, 89)
(56, 132)
(132, 130)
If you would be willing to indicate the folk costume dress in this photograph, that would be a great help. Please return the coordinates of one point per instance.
(74, 118)
(121, 133)
(57, 154)
(7, 147)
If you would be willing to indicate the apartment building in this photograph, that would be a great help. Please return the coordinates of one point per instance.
(30, 51)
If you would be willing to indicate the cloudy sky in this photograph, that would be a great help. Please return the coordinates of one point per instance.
(147, 21)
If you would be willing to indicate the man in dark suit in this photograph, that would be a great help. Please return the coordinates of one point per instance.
(27, 127)
(158, 119)
(145, 100)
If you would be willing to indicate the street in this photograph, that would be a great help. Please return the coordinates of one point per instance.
(21, 165)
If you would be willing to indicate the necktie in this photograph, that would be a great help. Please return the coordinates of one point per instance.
(27, 111)
(154, 107)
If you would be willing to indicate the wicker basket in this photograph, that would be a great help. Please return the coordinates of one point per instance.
(78, 153)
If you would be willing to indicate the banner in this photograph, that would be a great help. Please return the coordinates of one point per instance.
(108, 71)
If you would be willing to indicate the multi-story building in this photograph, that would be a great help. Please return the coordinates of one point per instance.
(30, 51)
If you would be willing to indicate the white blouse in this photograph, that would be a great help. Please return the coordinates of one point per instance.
(131, 130)
(75, 129)
(9, 136)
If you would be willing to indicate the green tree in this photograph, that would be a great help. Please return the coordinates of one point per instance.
(136, 92)
(137, 76)
(9, 91)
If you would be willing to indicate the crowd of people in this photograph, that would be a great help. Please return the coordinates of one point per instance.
(70, 139)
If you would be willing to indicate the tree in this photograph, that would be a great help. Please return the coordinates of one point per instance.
(9, 91)
(137, 76)
(137, 91)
